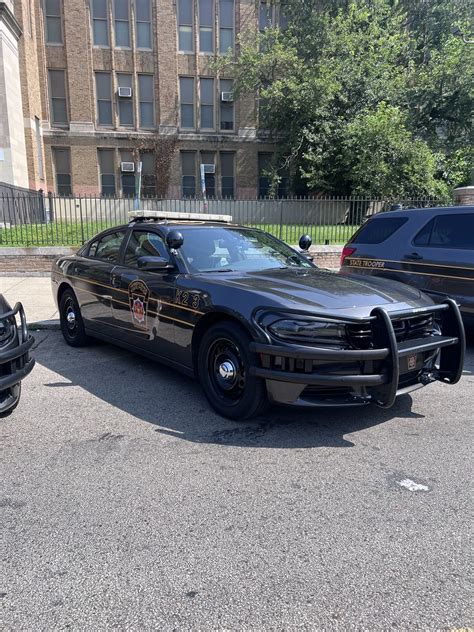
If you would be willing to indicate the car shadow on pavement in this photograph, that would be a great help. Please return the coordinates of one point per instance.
(173, 403)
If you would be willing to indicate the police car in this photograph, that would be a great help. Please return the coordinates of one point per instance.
(15, 360)
(429, 248)
(252, 319)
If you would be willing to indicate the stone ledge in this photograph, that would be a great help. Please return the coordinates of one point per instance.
(51, 251)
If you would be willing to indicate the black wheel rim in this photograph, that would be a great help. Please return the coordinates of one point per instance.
(70, 317)
(226, 371)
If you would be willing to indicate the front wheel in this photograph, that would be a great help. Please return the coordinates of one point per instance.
(9, 400)
(223, 367)
(72, 325)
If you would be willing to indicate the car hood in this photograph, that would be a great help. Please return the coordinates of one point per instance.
(311, 288)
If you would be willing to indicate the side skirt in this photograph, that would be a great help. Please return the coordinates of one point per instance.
(150, 356)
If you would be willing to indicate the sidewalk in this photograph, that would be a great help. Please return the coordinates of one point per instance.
(35, 294)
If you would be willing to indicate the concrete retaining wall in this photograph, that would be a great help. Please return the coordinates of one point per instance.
(30, 260)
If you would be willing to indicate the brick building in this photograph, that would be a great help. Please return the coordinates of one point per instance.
(106, 83)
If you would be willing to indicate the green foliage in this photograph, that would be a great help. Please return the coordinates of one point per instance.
(366, 96)
(382, 157)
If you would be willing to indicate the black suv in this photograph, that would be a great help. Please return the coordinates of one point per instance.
(430, 248)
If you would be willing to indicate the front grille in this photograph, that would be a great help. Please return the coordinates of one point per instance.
(361, 335)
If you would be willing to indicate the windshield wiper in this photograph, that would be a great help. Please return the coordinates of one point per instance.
(218, 270)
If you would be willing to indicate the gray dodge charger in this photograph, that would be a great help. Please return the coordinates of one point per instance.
(252, 319)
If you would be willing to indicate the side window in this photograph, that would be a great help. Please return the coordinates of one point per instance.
(448, 231)
(144, 244)
(377, 230)
(107, 247)
(423, 237)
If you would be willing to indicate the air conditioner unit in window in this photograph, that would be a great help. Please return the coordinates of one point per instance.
(125, 93)
(127, 167)
(227, 97)
(209, 168)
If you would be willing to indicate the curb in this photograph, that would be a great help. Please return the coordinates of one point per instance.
(45, 325)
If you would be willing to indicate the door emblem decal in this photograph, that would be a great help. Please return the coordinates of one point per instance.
(139, 296)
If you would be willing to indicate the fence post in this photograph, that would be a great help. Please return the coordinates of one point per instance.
(51, 207)
(82, 222)
(281, 218)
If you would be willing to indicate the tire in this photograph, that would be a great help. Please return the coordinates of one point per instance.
(223, 365)
(72, 324)
(9, 411)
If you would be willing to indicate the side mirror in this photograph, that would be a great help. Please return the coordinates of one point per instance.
(174, 239)
(154, 264)
(305, 242)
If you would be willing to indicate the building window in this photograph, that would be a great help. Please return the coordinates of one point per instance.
(127, 178)
(186, 96)
(264, 166)
(265, 15)
(226, 25)
(226, 98)
(62, 168)
(207, 103)
(122, 23)
(148, 174)
(185, 25)
(107, 171)
(125, 102)
(54, 33)
(188, 173)
(208, 158)
(57, 91)
(206, 26)
(227, 175)
(104, 98)
(143, 23)
(39, 148)
(100, 22)
(145, 89)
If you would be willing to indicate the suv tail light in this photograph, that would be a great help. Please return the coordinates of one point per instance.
(346, 252)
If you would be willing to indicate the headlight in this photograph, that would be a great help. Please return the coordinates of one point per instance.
(7, 331)
(312, 331)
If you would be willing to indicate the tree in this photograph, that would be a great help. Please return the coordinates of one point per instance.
(347, 72)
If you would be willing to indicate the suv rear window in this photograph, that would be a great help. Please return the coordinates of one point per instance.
(448, 231)
(378, 230)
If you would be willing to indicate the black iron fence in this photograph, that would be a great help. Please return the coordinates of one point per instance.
(34, 219)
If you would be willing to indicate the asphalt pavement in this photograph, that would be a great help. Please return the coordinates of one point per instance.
(126, 503)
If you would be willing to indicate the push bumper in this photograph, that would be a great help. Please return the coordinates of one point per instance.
(348, 377)
(15, 361)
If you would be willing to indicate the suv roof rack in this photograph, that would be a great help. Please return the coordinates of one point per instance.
(165, 216)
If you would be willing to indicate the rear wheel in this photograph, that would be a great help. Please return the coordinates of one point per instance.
(72, 325)
(224, 361)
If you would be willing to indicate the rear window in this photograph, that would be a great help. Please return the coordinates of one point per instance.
(448, 231)
(378, 230)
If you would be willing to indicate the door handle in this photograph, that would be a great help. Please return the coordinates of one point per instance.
(414, 256)
(115, 280)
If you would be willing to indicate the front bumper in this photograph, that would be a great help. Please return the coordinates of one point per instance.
(15, 361)
(350, 377)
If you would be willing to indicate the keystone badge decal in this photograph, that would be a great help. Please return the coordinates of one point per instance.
(138, 296)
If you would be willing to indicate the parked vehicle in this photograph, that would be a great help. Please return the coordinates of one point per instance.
(253, 319)
(15, 361)
(429, 248)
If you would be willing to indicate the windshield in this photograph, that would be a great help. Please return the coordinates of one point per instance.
(226, 249)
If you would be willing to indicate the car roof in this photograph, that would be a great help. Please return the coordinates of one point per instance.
(427, 210)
